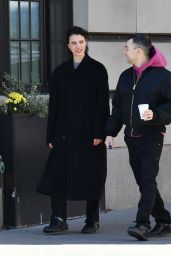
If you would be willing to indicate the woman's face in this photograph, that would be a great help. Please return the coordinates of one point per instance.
(77, 45)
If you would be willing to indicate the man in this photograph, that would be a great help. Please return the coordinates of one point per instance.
(146, 82)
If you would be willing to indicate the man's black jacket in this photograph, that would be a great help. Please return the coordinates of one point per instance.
(153, 88)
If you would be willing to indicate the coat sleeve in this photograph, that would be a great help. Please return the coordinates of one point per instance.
(52, 111)
(163, 112)
(114, 122)
(102, 105)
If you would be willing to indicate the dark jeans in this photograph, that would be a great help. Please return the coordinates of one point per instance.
(59, 208)
(144, 156)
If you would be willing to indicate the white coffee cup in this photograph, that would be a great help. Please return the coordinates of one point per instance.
(142, 109)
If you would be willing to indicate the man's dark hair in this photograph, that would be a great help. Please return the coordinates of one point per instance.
(76, 31)
(143, 41)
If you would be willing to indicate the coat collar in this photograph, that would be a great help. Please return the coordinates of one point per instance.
(82, 66)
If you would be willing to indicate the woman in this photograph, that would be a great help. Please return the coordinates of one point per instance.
(78, 110)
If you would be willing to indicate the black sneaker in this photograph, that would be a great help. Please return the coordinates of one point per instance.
(56, 226)
(90, 228)
(160, 229)
(139, 231)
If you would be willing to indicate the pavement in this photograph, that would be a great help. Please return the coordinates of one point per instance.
(112, 239)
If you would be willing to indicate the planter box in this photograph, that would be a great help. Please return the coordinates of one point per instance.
(24, 152)
(23, 149)
(1, 209)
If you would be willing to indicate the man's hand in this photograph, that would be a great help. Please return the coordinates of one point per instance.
(96, 142)
(109, 142)
(148, 115)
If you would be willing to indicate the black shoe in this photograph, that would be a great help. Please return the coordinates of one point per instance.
(139, 231)
(56, 226)
(160, 229)
(90, 228)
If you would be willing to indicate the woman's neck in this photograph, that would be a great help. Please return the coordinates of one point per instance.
(78, 59)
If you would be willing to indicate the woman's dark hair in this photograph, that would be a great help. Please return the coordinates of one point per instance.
(143, 41)
(76, 31)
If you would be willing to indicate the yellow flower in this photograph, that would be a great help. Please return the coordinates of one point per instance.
(8, 101)
(16, 101)
(15, 97)
(24, 99)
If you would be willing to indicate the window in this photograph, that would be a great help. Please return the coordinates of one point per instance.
(26, 40)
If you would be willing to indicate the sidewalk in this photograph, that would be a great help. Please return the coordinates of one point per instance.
(112, 239)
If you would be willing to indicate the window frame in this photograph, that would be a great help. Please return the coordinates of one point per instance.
(30, 40)
(46, 57)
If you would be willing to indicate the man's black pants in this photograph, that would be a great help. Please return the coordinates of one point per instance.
(144, 156)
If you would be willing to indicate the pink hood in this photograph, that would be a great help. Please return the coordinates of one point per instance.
(157, 59)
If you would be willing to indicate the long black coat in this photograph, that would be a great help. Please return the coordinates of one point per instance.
(78, 110)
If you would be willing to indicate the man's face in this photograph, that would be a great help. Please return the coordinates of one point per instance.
(130, 51)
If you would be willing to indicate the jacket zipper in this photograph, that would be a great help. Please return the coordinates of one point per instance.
(132, 101)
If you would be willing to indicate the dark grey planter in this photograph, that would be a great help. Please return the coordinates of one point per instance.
(24, 151)
(22, 146)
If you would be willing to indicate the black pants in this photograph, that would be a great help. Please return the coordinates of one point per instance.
(59, 208)
(59, 199)
(144, 154)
